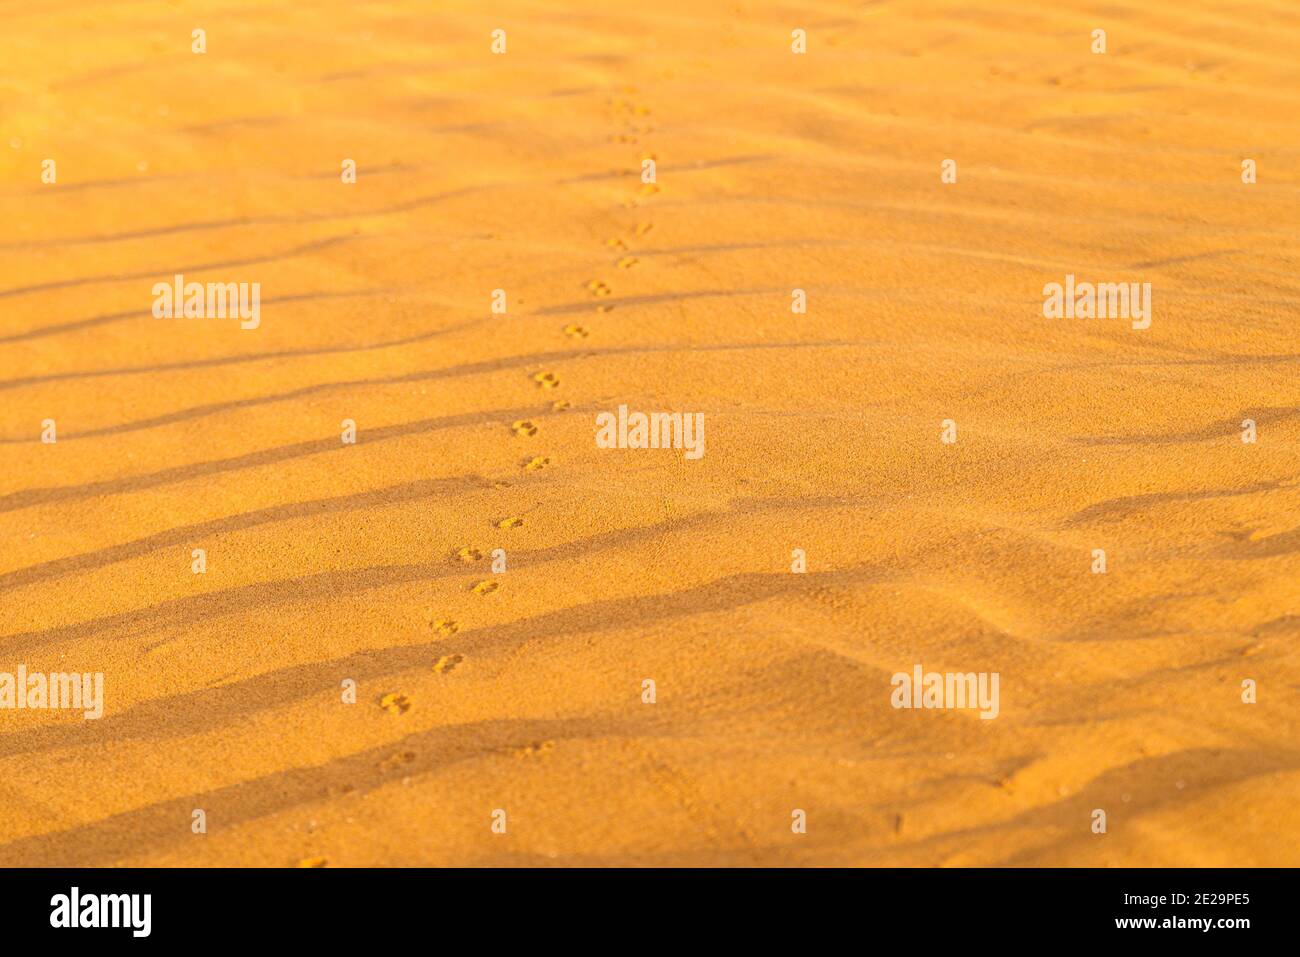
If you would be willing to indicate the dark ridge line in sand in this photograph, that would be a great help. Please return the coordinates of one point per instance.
(447, 372)
(185, 534)
(172, 270)
(239, 359)
(336, 583)
(165, 823)
(135, 483)
(41, 332)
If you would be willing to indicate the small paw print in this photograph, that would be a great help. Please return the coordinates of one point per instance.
(394, 761)
(535, 749)
(395, 703)
(447, 663)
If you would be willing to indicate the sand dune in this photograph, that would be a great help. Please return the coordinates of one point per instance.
(521, 690)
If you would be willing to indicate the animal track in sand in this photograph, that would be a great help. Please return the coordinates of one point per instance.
(445, 627)
(627, 262)
(396, 760)
(485, 587)
(312, 862)
(598, 287)
(576, 332)
(536, 462)
(546, 380)
(523, 427)
(467, 554)
(616, 243)
(395, 703)
(447, 663)
(510, 522)
(643, 228)
(534, 749)
(627, 107)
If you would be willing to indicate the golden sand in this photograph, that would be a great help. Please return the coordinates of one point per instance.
(479, 691)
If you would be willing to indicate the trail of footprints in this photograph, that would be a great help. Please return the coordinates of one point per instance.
(447, 663)
(631, 115)
(398, 703)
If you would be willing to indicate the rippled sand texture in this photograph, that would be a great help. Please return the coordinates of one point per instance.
(522, 690)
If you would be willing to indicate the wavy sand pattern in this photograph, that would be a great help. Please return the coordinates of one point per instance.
(521, 690)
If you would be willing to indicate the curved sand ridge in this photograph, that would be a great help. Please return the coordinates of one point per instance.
(479, 690)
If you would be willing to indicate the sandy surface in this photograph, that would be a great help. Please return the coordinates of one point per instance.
(775, 171)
